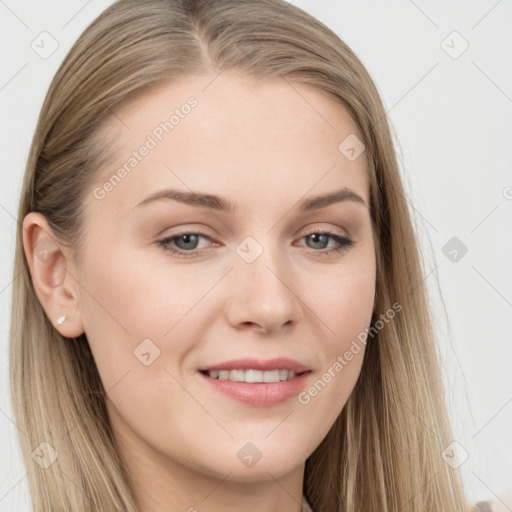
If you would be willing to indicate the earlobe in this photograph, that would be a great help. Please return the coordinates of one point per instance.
(48, 262)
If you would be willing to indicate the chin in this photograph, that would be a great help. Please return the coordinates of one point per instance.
(256, 459)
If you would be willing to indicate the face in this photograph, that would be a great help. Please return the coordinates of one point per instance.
(237, 273)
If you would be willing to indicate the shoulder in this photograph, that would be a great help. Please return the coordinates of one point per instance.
(498, 505)
(482, 506)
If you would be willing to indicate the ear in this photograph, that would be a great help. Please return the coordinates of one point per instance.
(56, 289)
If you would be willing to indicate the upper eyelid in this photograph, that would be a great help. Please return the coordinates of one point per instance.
(202, 233)
(344, 231)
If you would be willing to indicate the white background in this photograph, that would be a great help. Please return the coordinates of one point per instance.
(452, 119)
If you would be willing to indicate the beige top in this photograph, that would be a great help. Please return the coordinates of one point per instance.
(306, 507)
(481, 506)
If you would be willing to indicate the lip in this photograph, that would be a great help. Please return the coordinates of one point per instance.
(261, 394)
(259, 364)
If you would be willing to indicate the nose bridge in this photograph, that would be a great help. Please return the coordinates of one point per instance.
(264, 292)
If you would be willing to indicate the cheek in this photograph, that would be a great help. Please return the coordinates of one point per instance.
(123, 313)
(142, 320)
(128, 311)
(343, 299)
(344, 305)
(128, 299)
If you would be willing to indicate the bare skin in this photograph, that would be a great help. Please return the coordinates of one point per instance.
(266, 147)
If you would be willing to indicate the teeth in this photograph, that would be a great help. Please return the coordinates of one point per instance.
(237, 375)
(252, 375)
(271, 376)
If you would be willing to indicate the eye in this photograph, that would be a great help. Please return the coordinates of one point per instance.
(187, 242)
(322, 238)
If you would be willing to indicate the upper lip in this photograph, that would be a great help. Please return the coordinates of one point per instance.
(278, 363)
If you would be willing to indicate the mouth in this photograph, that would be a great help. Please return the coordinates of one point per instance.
(252, 375)
(257, 383)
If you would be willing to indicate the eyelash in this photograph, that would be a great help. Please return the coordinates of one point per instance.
(164, 243)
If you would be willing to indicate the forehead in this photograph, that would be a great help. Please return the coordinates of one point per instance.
(231, 135)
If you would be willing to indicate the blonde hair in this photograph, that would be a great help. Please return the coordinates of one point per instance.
(384, 451)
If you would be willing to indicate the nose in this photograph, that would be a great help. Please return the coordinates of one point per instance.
(262, 294)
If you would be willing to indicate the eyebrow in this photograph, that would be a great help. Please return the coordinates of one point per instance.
(222, 204)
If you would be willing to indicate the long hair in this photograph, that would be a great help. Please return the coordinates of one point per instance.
(384, 453)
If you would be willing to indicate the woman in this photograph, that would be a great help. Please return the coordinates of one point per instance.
(254, 370)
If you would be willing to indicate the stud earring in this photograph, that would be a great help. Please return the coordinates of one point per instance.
(61, 320)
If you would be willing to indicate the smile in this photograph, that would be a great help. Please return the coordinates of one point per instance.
(252, 375)
(255, 382)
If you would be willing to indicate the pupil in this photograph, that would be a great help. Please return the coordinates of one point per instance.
(317, 236)
(187, 239)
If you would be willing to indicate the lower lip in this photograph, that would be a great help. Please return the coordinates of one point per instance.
(259, 394)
